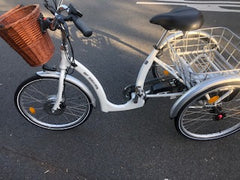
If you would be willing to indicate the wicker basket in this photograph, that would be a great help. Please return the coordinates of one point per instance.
(10, 11)
(19, 27)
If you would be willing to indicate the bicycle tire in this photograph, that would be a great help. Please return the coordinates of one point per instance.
(34, 99)
(221, 118)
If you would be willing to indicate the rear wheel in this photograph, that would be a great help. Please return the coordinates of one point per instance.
(211, 114)
(36, 96)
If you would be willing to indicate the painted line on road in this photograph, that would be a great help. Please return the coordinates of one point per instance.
(214, 6)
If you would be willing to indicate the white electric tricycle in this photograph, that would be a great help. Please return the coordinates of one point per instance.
(203, 71)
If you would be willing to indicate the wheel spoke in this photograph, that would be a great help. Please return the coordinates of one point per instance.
(35, 90)
(71, 113)
(35, 103)
(204, 121)
(188, 113)
(28, 96)
(79, 108)
(200, 126)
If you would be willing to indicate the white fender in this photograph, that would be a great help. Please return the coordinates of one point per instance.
(199, 88)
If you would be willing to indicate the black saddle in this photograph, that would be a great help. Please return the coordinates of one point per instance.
(184, 19)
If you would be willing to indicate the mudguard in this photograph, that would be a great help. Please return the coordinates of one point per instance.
(199, 88)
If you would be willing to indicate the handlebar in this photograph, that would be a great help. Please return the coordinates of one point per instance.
(49, 7)
(86, 31)
(73, 15)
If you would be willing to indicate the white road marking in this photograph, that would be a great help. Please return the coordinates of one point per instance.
(215, 6)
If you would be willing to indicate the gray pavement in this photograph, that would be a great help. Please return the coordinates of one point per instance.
(137, 144)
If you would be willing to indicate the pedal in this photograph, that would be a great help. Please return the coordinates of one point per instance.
(45, 67)
(128, 91)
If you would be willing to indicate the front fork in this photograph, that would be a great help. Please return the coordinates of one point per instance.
(64, 64)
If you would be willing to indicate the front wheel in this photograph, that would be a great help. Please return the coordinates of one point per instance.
(36, 96)
(212, 114)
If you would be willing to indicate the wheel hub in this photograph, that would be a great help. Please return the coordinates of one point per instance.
(218, 113)
(50, 103)
(220, 116)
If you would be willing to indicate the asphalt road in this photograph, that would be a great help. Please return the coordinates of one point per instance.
(137, 144)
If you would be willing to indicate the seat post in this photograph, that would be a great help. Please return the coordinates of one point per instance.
(157, 46)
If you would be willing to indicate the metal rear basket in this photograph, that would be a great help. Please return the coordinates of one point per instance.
(205, 53)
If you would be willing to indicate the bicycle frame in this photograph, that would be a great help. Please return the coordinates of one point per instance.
(138, 97)
(106, 105)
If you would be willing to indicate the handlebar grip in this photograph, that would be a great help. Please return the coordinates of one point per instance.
(87, 32)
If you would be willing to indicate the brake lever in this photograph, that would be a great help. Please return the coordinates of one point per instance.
(50, 8)
(74, 11)
(60, 19)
